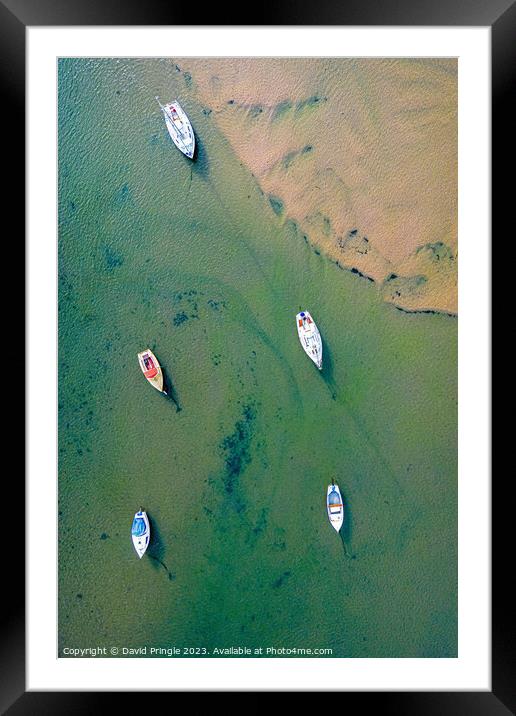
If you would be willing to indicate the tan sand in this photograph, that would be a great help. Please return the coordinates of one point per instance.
(360, 153)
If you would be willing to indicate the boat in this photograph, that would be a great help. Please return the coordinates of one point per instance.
(335, 506)
(140, 532)
(151, 369)
(179, 127)
(310, 337)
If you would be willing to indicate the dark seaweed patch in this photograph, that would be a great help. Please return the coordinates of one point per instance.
(352, 240)
(310, 102)
(237, 449)
(180, 295)
(425, 310)
(403, 286)
(437, 251)
(281, 108)
(123, 195)
(188, 305)
(281, 580)
(179, 318)
(112, 259)
(255, 111)
(288, 159)
(291, 156)
(216, 305)
(362, 275)
(292, 227)
(276, 204)
(261, 523)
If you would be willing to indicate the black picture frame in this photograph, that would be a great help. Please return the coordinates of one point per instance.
(500, 15)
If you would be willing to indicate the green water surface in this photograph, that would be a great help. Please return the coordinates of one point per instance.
(191, 260)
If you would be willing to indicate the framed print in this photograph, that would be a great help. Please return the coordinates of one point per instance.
(258, 428)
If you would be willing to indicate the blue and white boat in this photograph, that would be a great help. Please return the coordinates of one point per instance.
(179, 127)
(140, 532)
(335, 506)
(309, 337)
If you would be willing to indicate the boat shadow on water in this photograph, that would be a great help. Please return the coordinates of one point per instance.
(156, 550)
(346, 529)
(327, 372)
(171, 392)
(200, 164)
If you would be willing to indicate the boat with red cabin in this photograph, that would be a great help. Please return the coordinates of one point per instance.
(151, 369)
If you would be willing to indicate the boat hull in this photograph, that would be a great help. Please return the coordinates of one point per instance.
(309, 337)
(179, 128)
(156, 380)
(336, 510)
(141, 542)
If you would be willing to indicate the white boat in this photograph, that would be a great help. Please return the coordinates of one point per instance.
(140, 532)
(310, 337)
(179, 127)
(151, 369)
(335, 506)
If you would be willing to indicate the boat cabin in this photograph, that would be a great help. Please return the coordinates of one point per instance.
(150, 369)
(139, 527)
(334, 503)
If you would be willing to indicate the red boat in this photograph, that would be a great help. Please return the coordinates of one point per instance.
(151, 369)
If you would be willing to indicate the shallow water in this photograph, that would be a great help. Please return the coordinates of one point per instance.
(192, 260)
